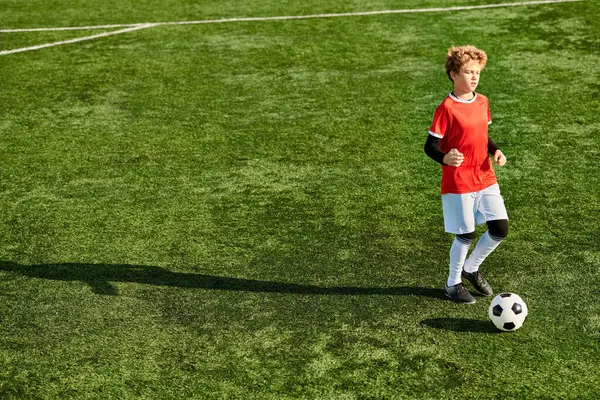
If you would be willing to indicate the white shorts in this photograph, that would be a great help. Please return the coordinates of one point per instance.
(463, 211)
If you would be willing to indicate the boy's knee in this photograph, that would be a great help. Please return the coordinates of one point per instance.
(498, 229)
(466, 238)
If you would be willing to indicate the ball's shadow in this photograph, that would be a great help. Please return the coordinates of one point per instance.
(461, 325)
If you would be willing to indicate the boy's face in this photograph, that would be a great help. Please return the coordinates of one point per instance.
(467, 79)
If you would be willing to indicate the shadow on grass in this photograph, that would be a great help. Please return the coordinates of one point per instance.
(100, 276)
(461, 325)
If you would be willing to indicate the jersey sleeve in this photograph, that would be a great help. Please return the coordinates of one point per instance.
(489, 114)
(440, 123)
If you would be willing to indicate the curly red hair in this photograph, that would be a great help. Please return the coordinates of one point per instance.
(458, 56)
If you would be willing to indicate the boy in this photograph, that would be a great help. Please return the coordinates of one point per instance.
(458, 139)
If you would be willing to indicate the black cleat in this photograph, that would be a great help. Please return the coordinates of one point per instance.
(479, 283)
(459, 293)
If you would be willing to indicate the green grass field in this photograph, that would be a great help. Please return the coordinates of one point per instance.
(244, 210)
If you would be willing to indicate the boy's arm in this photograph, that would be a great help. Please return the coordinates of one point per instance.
(432, 149)
(499, 157)
(492, 147)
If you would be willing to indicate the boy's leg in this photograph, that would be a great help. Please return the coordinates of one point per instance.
(454, 288)
(460, 220)
(458, 255)
(497, 231)
(491, 209)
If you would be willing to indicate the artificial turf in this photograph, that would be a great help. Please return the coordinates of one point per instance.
(244, 209)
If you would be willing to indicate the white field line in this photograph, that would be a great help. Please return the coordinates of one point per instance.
(138, 26)
(364, 13)
(68, 28)
(75, 40)
(243, 19)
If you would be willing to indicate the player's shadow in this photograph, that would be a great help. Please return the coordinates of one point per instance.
(101, 276)
(461, 325)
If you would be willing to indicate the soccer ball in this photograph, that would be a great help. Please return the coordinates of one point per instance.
(508, 311)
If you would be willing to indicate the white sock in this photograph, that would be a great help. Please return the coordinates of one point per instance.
(484, 247)
(458, 254)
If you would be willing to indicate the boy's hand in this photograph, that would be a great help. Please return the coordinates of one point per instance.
(454, 158)
(499, 158)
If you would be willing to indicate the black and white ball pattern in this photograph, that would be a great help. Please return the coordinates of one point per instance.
(508, 311)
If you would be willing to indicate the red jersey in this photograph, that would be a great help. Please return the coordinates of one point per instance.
(463, 125)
